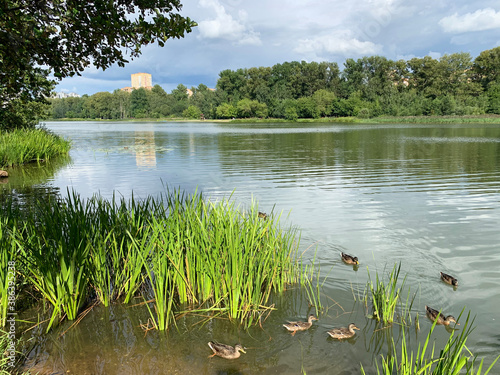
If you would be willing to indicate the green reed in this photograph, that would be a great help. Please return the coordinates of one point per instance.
(24, 145)
(178, 249)
(7, 268)
(386, 295)
(454, 358)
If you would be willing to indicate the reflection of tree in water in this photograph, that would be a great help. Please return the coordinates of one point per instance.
(22, 199)
(28, 183)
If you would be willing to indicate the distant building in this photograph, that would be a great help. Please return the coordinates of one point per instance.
(62, 95)
(189, 92)
(139, 80)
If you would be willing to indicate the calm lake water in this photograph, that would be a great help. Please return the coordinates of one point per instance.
(426, 196)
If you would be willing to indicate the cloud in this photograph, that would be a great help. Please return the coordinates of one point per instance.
(224, 26)
(339, 43)
(481, 19)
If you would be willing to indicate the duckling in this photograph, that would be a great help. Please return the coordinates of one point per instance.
(433, 314)
(300, 326)
(226, 351)
(343, 332)
(448, 279)
(349, 259)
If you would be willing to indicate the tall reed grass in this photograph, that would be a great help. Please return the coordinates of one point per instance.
(179, 250)
(385, 296)
(24, 145)
(454, 358)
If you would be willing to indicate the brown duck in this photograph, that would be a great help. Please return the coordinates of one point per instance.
(300, 326)
(448, 279)
(433, 315)
(343, 332)
(349, 259)
(226, 351)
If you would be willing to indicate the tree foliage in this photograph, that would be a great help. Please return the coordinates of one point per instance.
(68, 36)
(454, 84)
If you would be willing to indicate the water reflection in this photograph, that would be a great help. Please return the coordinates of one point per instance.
(145, 149)
(423, 195)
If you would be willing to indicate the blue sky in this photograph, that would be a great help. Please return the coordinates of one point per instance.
(234, 34)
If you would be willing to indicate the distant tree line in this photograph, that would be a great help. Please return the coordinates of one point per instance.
(367, 87)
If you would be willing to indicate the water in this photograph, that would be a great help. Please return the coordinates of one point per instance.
(427, 196)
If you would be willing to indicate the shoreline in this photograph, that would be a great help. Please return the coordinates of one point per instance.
(470, 119)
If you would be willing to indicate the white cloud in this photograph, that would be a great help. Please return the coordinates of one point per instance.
(224, 26)
(481, 19)
(339, 43)
(434, 55)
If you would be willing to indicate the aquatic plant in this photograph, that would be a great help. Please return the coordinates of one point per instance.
(386, 295)
(7, 268)
(210, 253)
(178, 249)
(24, 145)
(454, 358)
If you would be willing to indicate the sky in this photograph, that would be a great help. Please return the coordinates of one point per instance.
(233, 34)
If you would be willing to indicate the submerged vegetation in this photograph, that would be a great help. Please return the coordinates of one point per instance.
(21, 146)
(180, 252)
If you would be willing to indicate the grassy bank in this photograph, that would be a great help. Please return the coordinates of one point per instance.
(177, 253)
(479, 119)
(21, 146)
(473, 119)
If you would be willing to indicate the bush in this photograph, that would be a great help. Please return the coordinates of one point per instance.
(225, 110)
(364, 113)
(192, 112)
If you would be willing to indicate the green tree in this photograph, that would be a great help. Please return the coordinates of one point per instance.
(205, 99)
(493, 94)
(324, 101)
(486, 67)
(99, 105)
(120, 105)
(159, 102)
(179, 98)
(251, 108)
(67, 36)
(192, 112)
(233, 84)
(139, 104)
(226, 110)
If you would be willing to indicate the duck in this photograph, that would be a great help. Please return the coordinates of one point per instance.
(349, 259)
(433, 314)
(448, 279)
(300, 326)
(226, 351)
(262, 215)
(343, 332)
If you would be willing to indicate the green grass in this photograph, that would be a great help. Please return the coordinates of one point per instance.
(472, 119)
(180, 251)
(386, 297)
(21, 146)
(454, 358)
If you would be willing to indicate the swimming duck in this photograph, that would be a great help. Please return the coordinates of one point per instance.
(344, 332)
(349, 259)
(448, 279)
(263, 215)
(300, 326)
(226, 351)
(433, 314)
